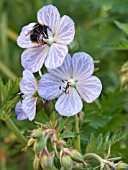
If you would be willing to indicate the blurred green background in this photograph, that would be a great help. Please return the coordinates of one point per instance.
(99, 32)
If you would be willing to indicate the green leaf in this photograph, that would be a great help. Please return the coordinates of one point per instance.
(61, 124)
(122, 26)
(101, 143)
(8, 97)
(68, 134)
(118, 45)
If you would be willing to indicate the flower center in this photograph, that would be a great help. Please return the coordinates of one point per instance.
(72, 82)
(49, 40)
(67, 85)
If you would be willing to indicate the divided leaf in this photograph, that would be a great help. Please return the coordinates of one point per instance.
(100, 144)
(8, 97)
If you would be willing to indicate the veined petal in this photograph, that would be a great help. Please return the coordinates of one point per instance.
(89, 89)
(49, 87)
(56, 55)
(64, 72)
(83, 66)
(69, 104)
(21, 115)
(24, 40)
(33, 58)
(65, 30)
(48, 15)
(28, 84)
(29, 107)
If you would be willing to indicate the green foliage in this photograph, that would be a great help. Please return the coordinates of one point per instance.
(102, 143)
(68, 134)
(119, 45)
(100, 27)
(122, 26)
(8, 97)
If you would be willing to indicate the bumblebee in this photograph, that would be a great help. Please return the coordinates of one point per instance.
(21, 96)
(39, 33)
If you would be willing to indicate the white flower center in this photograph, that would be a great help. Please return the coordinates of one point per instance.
(50, 38)
(72, 82)
(68, 84)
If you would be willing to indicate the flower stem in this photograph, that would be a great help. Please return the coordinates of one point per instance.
(78, 147)
(95, 156)
(16, 131)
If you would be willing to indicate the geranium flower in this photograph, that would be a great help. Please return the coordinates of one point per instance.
(71, 82)
(47, 41)
(27, 107)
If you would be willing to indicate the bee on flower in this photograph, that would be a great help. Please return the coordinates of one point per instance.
(46, 41)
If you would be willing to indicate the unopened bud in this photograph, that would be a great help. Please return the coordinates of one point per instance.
(40, 146)
(124, 68)
(30, 142)
(66, 161)
(48, 107)
(37, 133)
(75, 155)
(46, 160)
(57, 163)
(124, 80)
(36, 162)
(121, 166)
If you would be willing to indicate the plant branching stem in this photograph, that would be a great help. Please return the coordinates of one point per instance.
(95, 156)
(16, 131)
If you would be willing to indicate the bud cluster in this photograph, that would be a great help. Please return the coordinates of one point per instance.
(51, 151)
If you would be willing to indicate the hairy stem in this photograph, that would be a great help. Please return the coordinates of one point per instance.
(78, 147)
(95, 156)
(16, 131)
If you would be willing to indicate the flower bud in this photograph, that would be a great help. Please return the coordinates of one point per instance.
(66, 161)
(124, 80)
(37, 133)
(36, 162)
(57, 163)
(30, 142)
(46, 160)
(121, 166)
(48, 107)
(40, 146)
(124, 68)
(75, 155)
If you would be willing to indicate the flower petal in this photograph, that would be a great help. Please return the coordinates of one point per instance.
(69, 104)
(83, 66)
(56, 55)
(28, 84)
(33, 58)
(24, 40)
(29, 107)
(49, 87)
(89, 89)
(64, 72)
(65, 30)
(48, 15)
(21, 115)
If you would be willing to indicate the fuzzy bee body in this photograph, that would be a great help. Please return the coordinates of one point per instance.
(39, 33)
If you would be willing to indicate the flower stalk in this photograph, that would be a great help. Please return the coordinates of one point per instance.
(78, 147)
(16, 131)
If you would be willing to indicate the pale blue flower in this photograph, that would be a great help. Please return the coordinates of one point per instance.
(51, 47)
(71, 82)
(27, 107)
